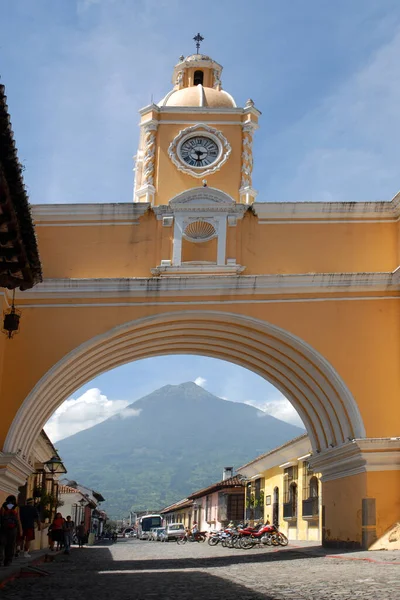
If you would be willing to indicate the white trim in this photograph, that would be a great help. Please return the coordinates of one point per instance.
(267, 212)
(326, 211)
(319, 395)
(88, 214)
(199, 269)
(192, 110)
(358, 456)
(321, 283)
(204, 302)
(209, 122)
(14, 471)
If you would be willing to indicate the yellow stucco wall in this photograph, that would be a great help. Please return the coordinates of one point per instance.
(133, 250)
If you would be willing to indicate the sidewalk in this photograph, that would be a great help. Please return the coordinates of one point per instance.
(378, 556)
(37, 557)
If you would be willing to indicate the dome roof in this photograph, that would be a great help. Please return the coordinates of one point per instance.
(198, 96)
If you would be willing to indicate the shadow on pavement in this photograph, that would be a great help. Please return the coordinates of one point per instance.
(177, 586)
(257, 556)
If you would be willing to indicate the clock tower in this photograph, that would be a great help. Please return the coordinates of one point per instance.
(194, 166)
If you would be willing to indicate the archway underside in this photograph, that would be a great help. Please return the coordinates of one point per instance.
(307, 380)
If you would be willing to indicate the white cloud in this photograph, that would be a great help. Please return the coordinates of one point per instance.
(89, 409)
(280, 408)
(200, 381)
(128, 413)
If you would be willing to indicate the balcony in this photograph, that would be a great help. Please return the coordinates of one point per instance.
(311, 508)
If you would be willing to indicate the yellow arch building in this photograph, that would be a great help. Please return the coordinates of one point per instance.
(304, 294)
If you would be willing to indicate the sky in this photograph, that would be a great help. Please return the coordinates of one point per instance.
(112, 392)
(324, 74)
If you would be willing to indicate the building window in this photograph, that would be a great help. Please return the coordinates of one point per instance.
(275, 508)
(208, 509)
(235, 507)
(198, 78)
(310, 493)
(290, 492)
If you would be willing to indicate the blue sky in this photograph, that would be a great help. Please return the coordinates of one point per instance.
(324, 73)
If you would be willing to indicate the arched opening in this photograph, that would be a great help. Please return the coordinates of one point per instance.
(198, 78)
(314, 487)
(310, 383)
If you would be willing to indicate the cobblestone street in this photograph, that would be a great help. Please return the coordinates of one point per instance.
(134, 570)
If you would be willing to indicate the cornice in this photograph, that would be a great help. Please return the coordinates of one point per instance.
(14, 471)
(191, 110)
(210, 285)
(269, 212)
(88, 213)
(358, 456)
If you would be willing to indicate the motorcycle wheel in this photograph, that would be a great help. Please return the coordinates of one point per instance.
(201, 538)
(274, 540)
(236, 542)
(213, 541)
(266, 540)
(246, 543)
(182, 540)
(282, 539)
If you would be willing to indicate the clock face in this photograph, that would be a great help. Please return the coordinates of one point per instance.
(199, 151)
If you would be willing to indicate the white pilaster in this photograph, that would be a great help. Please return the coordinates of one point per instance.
(221, 248)
(177, 249)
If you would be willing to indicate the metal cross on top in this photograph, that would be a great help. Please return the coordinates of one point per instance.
(198, 39)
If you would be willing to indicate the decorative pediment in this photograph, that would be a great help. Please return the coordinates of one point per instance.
(202, 196)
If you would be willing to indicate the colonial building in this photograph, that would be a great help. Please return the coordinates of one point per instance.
(212, 507)
(197, 264)
(283, 489)
(82, 504)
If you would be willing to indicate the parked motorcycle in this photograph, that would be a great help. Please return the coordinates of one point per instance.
(266, 535)
(199, 536)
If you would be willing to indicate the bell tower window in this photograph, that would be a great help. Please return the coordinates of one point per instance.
(198, 78)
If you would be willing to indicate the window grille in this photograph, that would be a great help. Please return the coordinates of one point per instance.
(310, 492)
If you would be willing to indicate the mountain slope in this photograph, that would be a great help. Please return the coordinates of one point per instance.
(168, 444)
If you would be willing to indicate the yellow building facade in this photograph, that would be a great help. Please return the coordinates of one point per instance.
(284, 489)
(304, 294)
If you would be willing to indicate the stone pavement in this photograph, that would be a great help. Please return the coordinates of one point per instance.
(142, 570)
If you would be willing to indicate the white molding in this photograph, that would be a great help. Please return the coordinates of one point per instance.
(198, 269)
(191, 110)
(88, 214)
(358, 456)
(321, 283)
(217, 136)
(298, 212)
(306, 378)
(13, 472)
(209, 122)
(267, 212)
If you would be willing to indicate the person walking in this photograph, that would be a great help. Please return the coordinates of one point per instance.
(57, 531)
(29, 516)
(10, 528)
(69, 527)
(80, 532)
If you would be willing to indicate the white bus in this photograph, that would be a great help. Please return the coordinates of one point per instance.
(146, 523)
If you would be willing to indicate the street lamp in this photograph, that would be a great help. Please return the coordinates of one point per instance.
(55, 465)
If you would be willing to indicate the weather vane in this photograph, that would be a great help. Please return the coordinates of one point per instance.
(198, 39)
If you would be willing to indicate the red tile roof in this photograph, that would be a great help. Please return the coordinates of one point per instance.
(235, 481)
